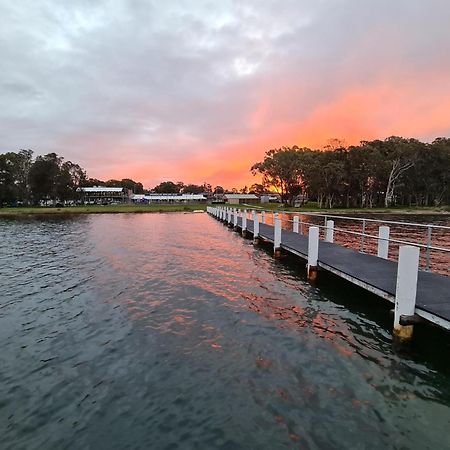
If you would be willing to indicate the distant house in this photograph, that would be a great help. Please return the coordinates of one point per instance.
(236, 199)
(169, 198)
(105, 194)
(270, 198)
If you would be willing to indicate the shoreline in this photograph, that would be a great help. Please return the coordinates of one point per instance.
(97, 209)
(146, 209)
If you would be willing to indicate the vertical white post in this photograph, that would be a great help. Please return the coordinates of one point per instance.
(295, 224)
(383, 242)
(405, 294)
(235, 221)
(255, 227)
(313, 252)
(263, 217)
(277, 237)
(329, 234)
(244, 221)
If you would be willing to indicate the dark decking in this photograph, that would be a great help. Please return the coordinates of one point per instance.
(376, 274)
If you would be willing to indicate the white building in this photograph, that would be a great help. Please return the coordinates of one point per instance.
(105, 194)
(168, 198)
(236, 199)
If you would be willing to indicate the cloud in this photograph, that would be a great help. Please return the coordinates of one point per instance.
(197, 91)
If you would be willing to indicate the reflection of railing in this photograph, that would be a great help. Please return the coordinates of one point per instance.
(382, 238)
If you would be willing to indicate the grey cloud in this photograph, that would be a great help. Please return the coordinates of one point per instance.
(170, 78)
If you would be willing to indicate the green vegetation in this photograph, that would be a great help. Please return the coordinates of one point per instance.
(392, 172)
(28, 181)
(97, 209)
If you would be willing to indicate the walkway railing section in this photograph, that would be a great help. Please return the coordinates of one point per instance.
(359, 233)
(408, 259)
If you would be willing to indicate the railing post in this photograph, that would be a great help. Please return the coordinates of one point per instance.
(313, 252)
(383, 242)
(405, 294)
(363, 235)
(329, 233)
(235, 218)
(295, 224)
(255, 227)
(427, 257)
(244, 223)
(277, 237)
(263, 216)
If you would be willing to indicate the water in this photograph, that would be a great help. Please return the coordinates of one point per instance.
(169, 331)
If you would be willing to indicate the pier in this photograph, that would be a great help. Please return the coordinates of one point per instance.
(418, 295)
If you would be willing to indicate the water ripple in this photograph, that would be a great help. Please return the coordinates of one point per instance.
(171, 331)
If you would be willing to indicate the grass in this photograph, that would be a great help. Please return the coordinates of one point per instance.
(113, 209)
(98, 209)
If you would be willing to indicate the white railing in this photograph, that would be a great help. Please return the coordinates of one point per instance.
(383, 238)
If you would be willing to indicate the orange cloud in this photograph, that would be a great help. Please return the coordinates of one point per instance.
(414, 107)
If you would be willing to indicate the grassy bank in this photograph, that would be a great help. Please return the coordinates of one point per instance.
(113, 209)
(97, 209)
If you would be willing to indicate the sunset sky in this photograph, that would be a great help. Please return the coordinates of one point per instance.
(197, 91)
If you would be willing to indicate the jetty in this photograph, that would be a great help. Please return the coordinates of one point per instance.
(418, 295)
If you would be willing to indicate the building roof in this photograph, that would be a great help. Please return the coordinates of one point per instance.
(168, 197)
(242, 196)
(101, 189)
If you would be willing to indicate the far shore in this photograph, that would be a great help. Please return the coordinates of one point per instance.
(115, 209)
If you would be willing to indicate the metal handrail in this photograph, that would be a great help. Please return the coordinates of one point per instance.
(363, 234)
(356, 233)
(327, 216)
(392, 222)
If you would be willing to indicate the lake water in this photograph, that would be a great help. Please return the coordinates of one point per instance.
(170, 331)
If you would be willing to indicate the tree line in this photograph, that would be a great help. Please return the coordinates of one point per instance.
(393, 171)
(25, 180)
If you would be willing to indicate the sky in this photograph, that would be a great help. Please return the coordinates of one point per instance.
(197, 91)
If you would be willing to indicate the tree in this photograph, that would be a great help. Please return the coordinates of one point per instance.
(70, 178)
(281, 170)
(43, 177)
(14, 171)
(207, 188)
(193, 189)
(168, 187)
(257, 189)
(7, 186)
(132, 185)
